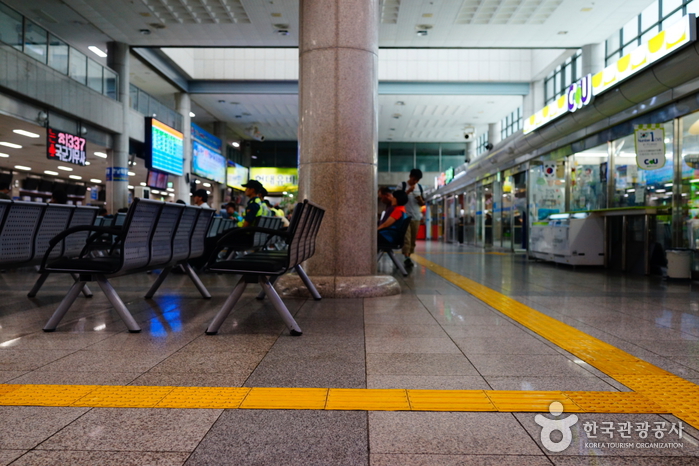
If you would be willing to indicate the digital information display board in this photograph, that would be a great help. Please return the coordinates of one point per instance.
(66, 147)
(164, 148)
(236, 176)
(276, 180)
(207, 163)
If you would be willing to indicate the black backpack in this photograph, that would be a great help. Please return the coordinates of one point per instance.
(405, 186)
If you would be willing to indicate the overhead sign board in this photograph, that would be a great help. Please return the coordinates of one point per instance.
(659, 46)
(276, 180)
(65, 147)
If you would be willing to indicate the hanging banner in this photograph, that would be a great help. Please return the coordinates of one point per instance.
(650, 146)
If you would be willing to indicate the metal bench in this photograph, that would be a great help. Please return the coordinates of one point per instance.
(259, 267)
(188, 242)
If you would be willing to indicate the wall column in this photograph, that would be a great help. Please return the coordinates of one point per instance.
(494, 134)
(338, 139)
(220, 131)
(118, 187)
(183, 105)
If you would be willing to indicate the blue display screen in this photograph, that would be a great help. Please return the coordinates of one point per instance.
(166, 148)
(208, 163)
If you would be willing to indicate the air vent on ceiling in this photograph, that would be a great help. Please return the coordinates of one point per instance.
(389, 11)
(198, 11)
(506, 11)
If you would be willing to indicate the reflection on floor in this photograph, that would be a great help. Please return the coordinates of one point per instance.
(434, 336)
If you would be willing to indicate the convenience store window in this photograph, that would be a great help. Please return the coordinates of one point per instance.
(588, 179)
(634, 187)
(690, 180)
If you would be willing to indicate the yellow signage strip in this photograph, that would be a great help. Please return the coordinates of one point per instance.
(661, 45)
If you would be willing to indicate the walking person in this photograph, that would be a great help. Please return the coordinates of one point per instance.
(416, 199)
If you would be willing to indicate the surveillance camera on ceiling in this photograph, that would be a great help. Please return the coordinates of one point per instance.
(254, 133)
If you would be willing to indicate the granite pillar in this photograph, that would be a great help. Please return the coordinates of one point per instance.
(118, 157)
(183, 105)
(494, 133)
(338, 141)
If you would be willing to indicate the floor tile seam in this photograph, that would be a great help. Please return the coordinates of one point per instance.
(437, 269)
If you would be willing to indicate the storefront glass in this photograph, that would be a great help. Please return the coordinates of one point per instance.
(547, 189)
(634, 187)
(519, 206)
(470, 217)
(588, 179)
(690, 181)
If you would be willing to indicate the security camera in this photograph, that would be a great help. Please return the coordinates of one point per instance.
(467, 160)
(468, 136)
(254, 133)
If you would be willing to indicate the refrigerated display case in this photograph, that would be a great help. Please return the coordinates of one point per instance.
(575, 239)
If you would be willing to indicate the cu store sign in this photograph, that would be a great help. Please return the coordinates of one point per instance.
(66, 148)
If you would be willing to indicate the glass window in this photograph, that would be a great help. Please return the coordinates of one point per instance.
(383, 157)
(78, 66)
(402, 157)
(35, 41)
(547, 193)
(549, 89)
(649, 16)
(453, 155)
(94, 75)
(672, 19)
(143, 102)
(636, 187)
(690, 179)
(671, 5)
(693, 7)
(133, 96)
(630, 30)
(427, 157)
(588, 181)
(58, 54)
(613, 43)
(109, 87)
(10, 27)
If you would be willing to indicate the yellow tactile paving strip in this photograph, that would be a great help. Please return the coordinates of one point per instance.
(654, 390)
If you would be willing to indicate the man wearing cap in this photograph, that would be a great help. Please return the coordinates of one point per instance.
(253, 209)
(200, 198)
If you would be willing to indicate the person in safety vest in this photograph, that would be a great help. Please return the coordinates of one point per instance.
(253, 209)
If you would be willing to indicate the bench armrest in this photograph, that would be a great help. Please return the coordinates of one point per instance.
(237, 233)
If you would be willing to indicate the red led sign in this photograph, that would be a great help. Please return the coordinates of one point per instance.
(67, 148)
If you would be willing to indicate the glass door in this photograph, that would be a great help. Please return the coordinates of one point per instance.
(519, 211)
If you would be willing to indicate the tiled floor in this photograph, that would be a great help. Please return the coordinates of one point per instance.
(432, 336)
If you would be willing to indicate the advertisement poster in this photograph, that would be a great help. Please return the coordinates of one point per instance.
(276, 180)
(650, 146)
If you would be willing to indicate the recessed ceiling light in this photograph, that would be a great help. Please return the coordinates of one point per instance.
(22, 167)
(75, 177)
(427, 15)
(142, 183)
(9, 144)
(208, 185)
(3, 155)
(400, 102)
(95, 180)
(131, 173)
(172, 190)
(49, 172)
(171, 194)
(25, 133)
(191, 115)
(562, 33)
(87, 163)
(421, 33)
(100, 154)
(68, 169)
(155, 191)
(397, 115)
(97, 51)
(130, 187)
(282, 32)
(586, 9)
(235, 144)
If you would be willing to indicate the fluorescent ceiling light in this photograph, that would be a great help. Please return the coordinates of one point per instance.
(95, 180)
(49, 172)
(9, 144)
(97, 51)
(131, 173)
(3, 155)
(75, 177)
(68, 169)
(101, 155)
(22, 167)
(25, 133)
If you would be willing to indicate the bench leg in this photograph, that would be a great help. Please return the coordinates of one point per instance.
(195, 278)
(280, 307)
(37, 286)
(159, 281)
(64, 306)
(261, 295)
(221, 316)
(398, 264)
(118, 304)
(307, 281)
(86, 291)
